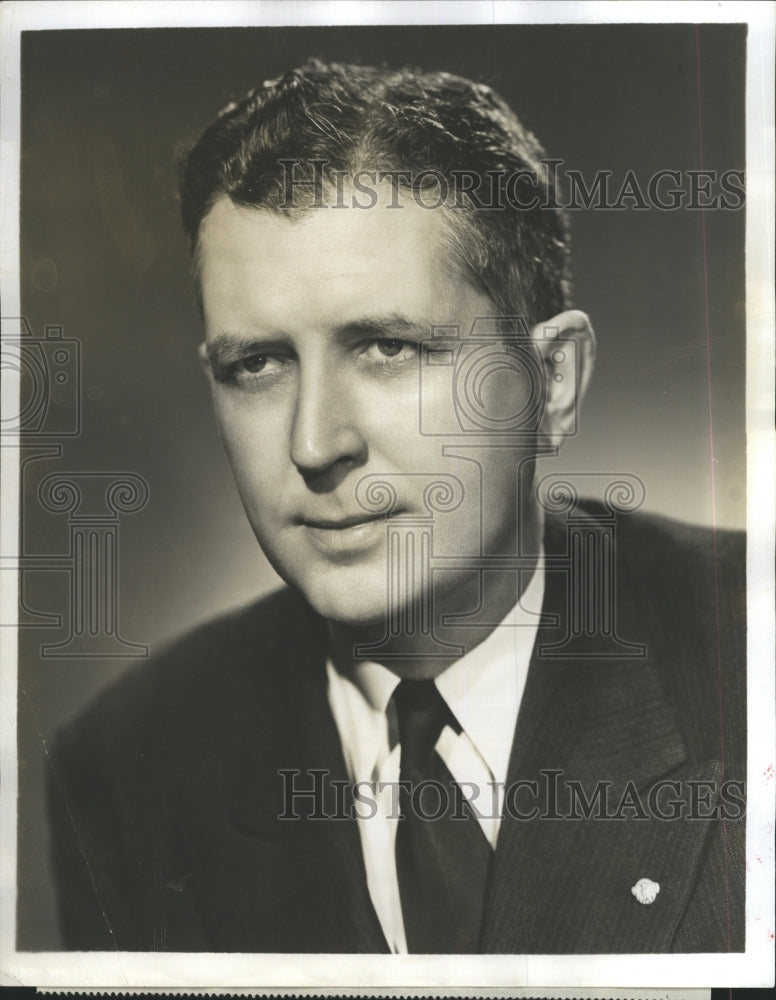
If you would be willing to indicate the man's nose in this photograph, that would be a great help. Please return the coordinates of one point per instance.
(325, 431)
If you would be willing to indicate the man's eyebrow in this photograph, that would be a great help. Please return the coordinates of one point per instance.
(225, 348)
(393, 326)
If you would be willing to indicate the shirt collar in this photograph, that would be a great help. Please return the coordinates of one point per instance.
(483, 689)
(375, 682)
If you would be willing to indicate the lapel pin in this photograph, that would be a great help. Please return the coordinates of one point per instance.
(645, 890)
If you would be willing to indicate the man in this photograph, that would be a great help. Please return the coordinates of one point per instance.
(467, 725)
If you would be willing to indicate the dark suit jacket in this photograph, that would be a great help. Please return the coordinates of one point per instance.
(166, 793)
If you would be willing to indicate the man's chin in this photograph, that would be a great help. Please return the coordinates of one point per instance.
(362, 616)
(357, 606)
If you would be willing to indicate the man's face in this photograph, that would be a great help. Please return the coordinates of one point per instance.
(313, 331)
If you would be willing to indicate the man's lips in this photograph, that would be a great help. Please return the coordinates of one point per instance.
(344, 539)
(343, 523)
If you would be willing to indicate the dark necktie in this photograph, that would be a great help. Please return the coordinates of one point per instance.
(442, 864)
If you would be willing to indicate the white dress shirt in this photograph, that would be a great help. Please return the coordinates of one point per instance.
(483, 690)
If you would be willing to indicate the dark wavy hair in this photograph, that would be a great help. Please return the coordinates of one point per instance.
(330, 118)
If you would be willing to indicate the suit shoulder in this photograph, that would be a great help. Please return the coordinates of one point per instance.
(699, 540)
(681, 593)
(683, 556)
(687, 582)
(201, 682)
(256, 633)
(662, 544)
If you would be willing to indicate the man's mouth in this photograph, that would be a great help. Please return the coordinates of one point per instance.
(341, 523)
(346, 538)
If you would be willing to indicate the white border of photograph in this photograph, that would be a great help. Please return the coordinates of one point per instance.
(467, 975)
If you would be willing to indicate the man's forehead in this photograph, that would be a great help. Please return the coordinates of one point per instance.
(382, 227)
(329, 266)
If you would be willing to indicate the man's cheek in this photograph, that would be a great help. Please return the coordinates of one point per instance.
(249, 443)
(257, 477)
(240, 460)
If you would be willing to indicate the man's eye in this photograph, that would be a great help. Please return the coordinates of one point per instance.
(251, 371)
(253, 364)
(389, 348)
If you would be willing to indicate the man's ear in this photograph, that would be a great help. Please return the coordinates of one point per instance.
(566, 344)
(204, 360)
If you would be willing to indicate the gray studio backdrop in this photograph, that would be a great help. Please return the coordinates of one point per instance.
(105, 271)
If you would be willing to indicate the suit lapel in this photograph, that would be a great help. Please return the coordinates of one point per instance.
(563, 885)
(333, 859)
(289, 884)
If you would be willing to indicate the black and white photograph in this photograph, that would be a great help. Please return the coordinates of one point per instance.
(388, 495)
